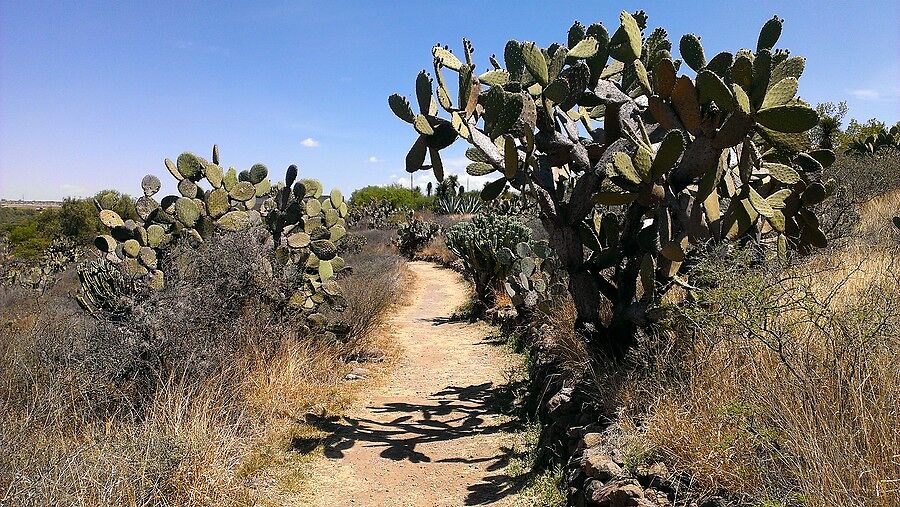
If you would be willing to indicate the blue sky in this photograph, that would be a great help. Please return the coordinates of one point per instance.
(96, 94)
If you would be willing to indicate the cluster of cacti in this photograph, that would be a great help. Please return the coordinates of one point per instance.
(59, 254)
(228, 205)
(380, 214)
(414, 234)
(104, 287)
(458, 205)
(532, 279)
(478, 244)
(513, 205)
(724, 157)
(868, 145)
(305, 226)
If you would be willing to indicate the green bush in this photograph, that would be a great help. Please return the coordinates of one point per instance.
(395, 194)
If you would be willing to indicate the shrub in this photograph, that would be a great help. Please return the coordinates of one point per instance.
(478, 244)
(414, 234)
(734, 160)
(398, 196)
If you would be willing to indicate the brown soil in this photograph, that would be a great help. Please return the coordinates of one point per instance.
(432, 433)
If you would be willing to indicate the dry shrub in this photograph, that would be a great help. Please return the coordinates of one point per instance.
(782, 384)
(172, 409)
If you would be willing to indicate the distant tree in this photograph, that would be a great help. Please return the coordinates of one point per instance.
(429, 189)
(829, 128)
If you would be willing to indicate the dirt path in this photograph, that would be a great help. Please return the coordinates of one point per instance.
(431, 434)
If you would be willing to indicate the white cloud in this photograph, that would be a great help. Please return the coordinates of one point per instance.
(866, 94)
(374, 160)
(310, 142)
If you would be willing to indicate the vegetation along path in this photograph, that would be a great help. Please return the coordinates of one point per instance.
(433, 433)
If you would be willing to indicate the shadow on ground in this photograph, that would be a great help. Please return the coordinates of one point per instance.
(452, 413)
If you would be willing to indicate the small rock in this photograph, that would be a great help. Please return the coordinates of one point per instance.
(351, 376)
(620, 493)
(656, 475)
(362, 372)
(592, 439)
(560, 403)
(601, 466)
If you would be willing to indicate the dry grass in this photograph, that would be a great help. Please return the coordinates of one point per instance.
(781, 384)
(216, 427)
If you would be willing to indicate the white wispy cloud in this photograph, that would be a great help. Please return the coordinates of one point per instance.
(310, 142)
(866, 94)
(374, 160)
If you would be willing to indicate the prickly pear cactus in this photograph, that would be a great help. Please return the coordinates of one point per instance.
(532, 281)
(414, 234)
(305, 227)
(479, 244)
(632, 164)
(39, 275)
(303, 223)
(228, 203)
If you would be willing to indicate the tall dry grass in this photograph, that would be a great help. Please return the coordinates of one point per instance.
(202, 415)
(778, 384)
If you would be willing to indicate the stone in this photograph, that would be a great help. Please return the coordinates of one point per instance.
(560, 403)
(656, 475)
(592, 439)
(601, 466)
(619, 493)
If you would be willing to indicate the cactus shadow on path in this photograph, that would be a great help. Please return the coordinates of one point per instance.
(436, 431)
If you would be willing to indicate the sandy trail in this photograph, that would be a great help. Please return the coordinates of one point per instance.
(431, 434)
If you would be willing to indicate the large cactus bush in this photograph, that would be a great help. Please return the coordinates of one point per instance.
(634, 158)
(303, 226)
(415, 234)
(479, 244)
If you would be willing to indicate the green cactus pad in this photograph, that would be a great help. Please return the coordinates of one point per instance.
(258, 173)
(781, 93)
(217, 202)
(625, 44)
(313, 187)
(298, 240)
(324, 249)
(133, 268)
(331, 217)
(191, 166)
(814, 194)
(692, 52)
(131, 248)
(497, 77)
(326, 270)
(147, 256)
(234, 221)
(337, 232)
(215, 175)
(536, 63)
(110, 218)
(664, 78)
(782, 173)
(150, 185)
(145, 206)
(587, 48)
(446, 58)
(792, 67)
(155, 235)
(338, 264)
(479, 169)
(243, 191)
(742, 72)
(186, 211)
(667, 155)
(230, 180)
(625, 167)
(263, 188)
(173, 169)
(105, 243)
(187, 188)
(710, 87)
(336, 198)
(400, 106)
(313, 207)
(769, 34)
(788, 118)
